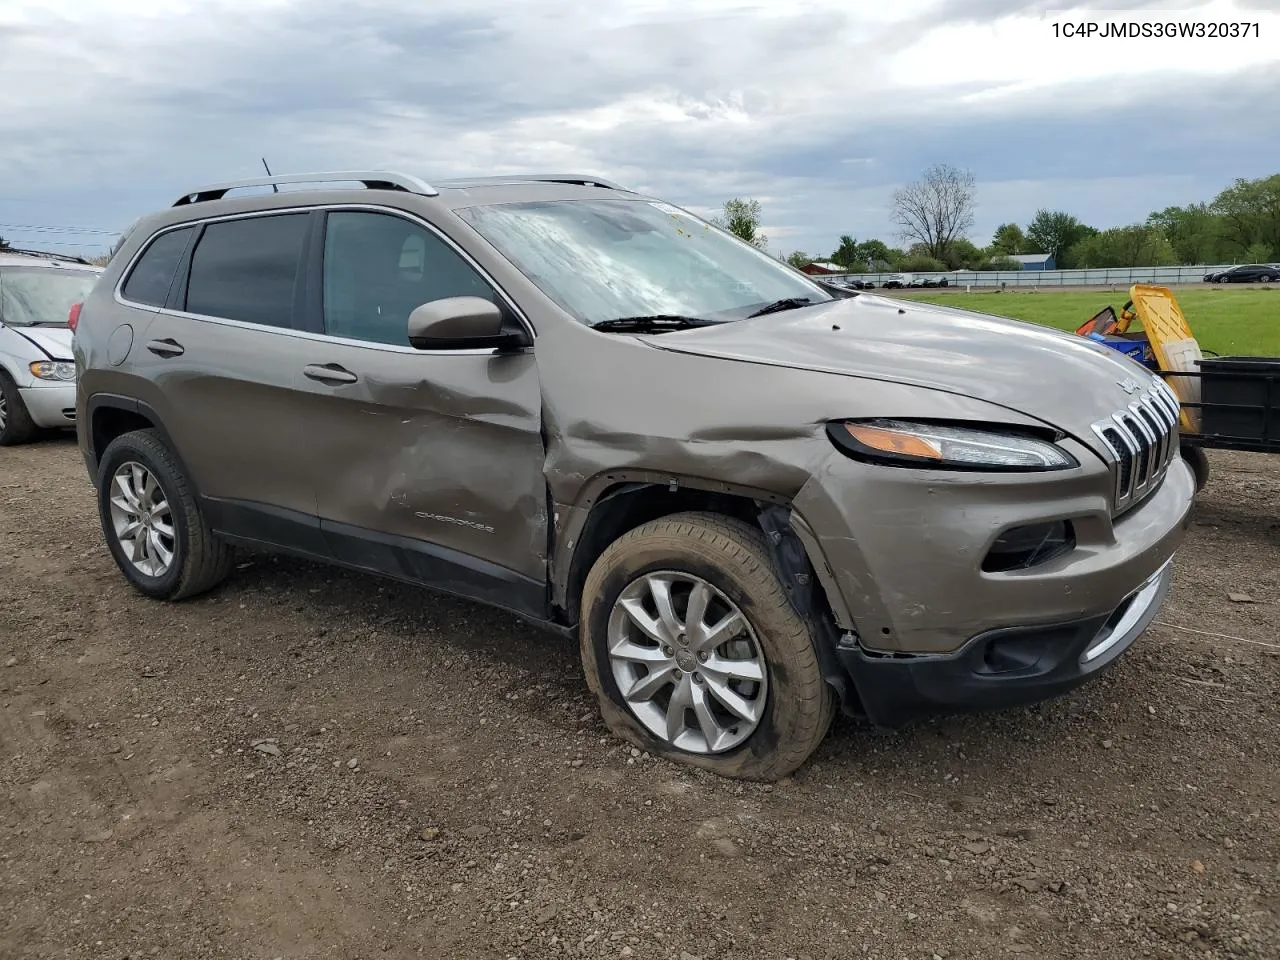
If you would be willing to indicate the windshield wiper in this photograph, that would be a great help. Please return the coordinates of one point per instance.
(790, 303)
(656, 322)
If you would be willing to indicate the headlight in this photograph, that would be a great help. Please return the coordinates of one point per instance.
(941, 446)
(53, 370)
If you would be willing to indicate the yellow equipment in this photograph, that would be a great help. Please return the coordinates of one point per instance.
(1165, 344)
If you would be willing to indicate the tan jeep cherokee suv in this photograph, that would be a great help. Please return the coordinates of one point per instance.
(752, 497)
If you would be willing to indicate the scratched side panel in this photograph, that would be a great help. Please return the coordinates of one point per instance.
(615, 402)
(440, 448)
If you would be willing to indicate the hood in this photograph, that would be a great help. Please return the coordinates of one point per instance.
(1061, 379)
(53, 341)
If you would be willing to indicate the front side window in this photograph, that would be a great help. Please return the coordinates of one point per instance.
(42, 296)
(379, 268)
(247, 270)
(610, 259)
(152, 275)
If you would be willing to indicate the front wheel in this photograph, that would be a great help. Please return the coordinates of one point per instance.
(152, 522)
(695, 653)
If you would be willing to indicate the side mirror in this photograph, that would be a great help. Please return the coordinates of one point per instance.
(460, 323)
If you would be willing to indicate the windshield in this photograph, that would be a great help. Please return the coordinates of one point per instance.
(608, 259)
(41, 295)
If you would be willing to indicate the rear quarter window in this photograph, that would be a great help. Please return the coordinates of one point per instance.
(153, 274)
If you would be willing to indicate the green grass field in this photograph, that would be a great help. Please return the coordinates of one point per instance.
(1226, 322)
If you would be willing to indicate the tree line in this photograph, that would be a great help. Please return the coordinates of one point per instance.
(934, 214)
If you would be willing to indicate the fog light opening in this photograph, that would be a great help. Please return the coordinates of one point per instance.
(1023, 547)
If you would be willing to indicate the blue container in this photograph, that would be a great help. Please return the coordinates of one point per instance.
(1139, 349)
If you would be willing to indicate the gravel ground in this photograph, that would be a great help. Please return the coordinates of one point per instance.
(314, 764)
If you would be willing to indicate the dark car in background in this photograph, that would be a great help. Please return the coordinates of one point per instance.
(1246, 273)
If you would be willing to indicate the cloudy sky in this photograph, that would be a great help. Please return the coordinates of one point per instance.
(819, 108)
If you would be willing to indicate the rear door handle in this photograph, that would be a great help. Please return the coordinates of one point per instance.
(166, 348)
(329, 373)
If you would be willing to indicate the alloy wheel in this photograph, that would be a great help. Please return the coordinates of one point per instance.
(142, 519)
(687, 662)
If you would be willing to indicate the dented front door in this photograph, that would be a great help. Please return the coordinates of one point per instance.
(427, 464)
(440, 448)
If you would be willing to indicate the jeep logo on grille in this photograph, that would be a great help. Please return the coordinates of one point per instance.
(1129, 386)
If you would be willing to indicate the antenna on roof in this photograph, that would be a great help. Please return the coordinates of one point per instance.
(274, 188)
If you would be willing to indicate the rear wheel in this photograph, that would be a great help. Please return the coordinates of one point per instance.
(16, 425)
(152, 521)
(695, 653)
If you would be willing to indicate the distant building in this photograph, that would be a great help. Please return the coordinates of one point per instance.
(1035, 261)
(822, 268)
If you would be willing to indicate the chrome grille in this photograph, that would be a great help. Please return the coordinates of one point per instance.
(1141, 438)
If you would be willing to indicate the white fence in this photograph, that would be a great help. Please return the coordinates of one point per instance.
(1120, 276)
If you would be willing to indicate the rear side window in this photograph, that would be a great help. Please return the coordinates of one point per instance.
(153, 274)
(247, 270)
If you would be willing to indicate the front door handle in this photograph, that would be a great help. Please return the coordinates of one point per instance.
(329, 373)
(166, 348)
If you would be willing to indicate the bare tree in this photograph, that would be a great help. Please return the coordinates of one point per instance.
(936, 209)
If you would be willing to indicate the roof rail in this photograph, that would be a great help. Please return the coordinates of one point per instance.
(584, 179)
(372, 179)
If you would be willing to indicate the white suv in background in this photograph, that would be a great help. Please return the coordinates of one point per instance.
(38, 293)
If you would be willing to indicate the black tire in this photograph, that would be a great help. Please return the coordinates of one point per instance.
(1198, 461)
(200, 559)
(18, 426)
(733, 558)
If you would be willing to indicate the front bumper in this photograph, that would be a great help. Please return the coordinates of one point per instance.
(927, 630)
(1003, 668)
(900, 552)
(51, 404)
